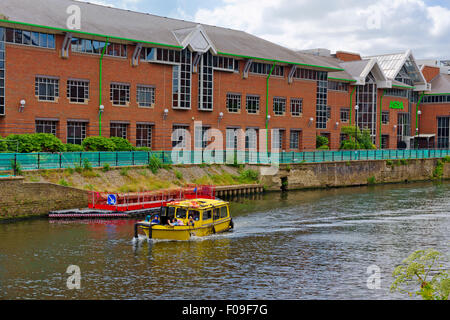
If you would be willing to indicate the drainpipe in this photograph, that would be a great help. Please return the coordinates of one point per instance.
(100, 87)
(351, 104)
(417, 109)
(381, 114)
(267, 107)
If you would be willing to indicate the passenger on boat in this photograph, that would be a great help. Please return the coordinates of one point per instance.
(156, 220)
(180, 222)
(191, 221)
(173, 222)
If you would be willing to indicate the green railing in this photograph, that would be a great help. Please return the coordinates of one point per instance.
(37, 161)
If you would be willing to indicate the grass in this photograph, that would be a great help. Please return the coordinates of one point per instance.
(178, 175)
(64, 183)
(124, 172)
(371, 180)
(438, 171)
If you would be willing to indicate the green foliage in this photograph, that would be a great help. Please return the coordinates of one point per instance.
(324, 147)
(121, 144)
(70, 171)
(87, 165)
(98, 144)
(364, 140)
(438, 171)
(425, 270)
(178, 175)
(321, 141)
(73, 147)
(36, 142)
(78, 169)
(446, 159)
(371, 180)
(248, 176)
(146, 149)
(155, 164)
(16, 167)
(64, 183)
(3, 145)
(106, 167)
(389, 162)
(403, 162)
(124, 172)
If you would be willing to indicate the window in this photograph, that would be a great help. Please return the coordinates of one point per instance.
(385, 117)
(164, 55)
(181, 213)
(264, 68)
(201, 137)
(279, 106)
(47, 89)
(443, 137)
(322, 97)
(2, 71)
(120, 94)
(205, 82)
(78, 91)
(233, 102)
(306, 74)
(366, 98)
(97, 47)
(144, 135)
(225, 64)
(252, 104)
(35, 39)
(251, 139)
(328, 113)
(145, 96)
(179, 136)
(181, 82)
(207, 214)
(223, 212)
(76, 132)
(296, 107)
(345, 114)
(46, 126)
(436, 99)
(118, 130)
(278, 139)
(232, 138)
(396, 93)
(295, 139)
(148, 54)
(338, 86)
(216, 213)
(384, 141)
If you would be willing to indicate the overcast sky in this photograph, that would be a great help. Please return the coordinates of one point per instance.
(368, 27)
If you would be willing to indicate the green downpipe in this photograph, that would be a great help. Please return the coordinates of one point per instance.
(381, 115)
(417, 109)
(100, 87)
(267, 107)
(351, 104)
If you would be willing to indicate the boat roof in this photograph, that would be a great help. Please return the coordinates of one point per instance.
(198, 203)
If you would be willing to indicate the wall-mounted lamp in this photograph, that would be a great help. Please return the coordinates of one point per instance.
(395, 128)
(356, 107)
(101, 109)
(166, 113)
(220, 116)
(268, 117)
(337, 125)
(311, 120)
(419, 112)
(22, 105)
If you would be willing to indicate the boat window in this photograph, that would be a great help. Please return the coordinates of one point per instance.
(171, 212)
(207, 214)
(223, 212)
(195, 214)
(216, 213)
(181, 213)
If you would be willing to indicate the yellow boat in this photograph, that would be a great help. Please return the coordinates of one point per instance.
(196, 217)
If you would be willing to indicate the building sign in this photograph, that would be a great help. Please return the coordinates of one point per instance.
(396, 105)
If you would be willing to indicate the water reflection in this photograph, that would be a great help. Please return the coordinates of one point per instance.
(296, 245)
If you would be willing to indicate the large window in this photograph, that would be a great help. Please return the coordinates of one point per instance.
(396, 93)
(46, 126)
(443, 138)
(345, 114)
(251, 139)
(252, 104)
(179, 136)
(367, 102)
(322, 97)
(29, 38)
(338, 86)
(144, 135)
(47, 89)
(403, 126)
(117, 129)
(120, 94)
(146, 96)
(296, 107)
(97, 47)
(234, 102)
(201, 138)
(264, 68)
(295, 140)
(181, 82)
(436, 99)
(225, 64)
(279, 106)
(278, 139)
(205, 82)
(306, 74)
(76, 132)
(78, 91)
(2, 71)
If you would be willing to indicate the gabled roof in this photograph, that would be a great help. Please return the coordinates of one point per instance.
(360, 69)
(440, 84)
(393, 63)
(127, 26)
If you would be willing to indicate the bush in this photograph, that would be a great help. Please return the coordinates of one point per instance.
(321, 141)
(146, 149)
(36, 142)
(324, 147)
(248, 176)
(178, 175)
(121, 144)
(106, 167)
(73, 147)
(155, 164)
(98, 144)
(3, 145)
(364, 140)
(87, 165)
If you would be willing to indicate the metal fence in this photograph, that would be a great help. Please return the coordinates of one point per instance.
(36, 161)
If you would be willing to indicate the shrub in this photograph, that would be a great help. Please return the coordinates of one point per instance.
(48, 142)
(321, 141)
(73, 147)
(146, 149)
(98, 144)
(22, 143)
(155, 164)
(121, 144)
(178, 175)
(106, 167)
(63, 182)
(3, 145)
(124, 172)
(248, 176)
(371, 180)
(87, 165)
(324, 147)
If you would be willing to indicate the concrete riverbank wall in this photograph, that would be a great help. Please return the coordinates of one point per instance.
(355, 173)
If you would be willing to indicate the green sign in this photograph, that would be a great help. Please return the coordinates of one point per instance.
(396, 105)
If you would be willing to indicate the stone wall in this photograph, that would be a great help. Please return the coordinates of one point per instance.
(20, 200)
(352, 173)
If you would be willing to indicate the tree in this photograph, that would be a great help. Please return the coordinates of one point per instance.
(423, 268)
(322, 143)
(364, 140)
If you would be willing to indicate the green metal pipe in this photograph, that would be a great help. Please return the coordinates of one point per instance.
(100, 87)
(351, 104)
(417, 109)
(267, 107)
(381, 114)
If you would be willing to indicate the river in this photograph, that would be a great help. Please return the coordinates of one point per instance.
(297, 245)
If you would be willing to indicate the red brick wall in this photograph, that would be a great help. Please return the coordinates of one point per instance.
(347, 56)
(430, 72)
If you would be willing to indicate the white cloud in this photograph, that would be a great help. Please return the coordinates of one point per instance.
(368, 27)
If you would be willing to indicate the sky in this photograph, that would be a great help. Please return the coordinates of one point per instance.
(367, 27)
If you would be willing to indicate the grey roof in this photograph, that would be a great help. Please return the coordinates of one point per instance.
(440, 84)
(142, 27)
(355, 68)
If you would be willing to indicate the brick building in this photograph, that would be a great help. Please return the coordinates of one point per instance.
(142, 77)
